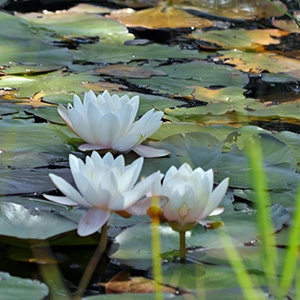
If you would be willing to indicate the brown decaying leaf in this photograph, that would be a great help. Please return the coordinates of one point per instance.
(123, 283)
(242, 39)
(128, 71)
(259, 62)
(162, 16)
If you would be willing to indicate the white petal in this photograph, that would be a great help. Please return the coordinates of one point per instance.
(91, 147)
(126, 116)
(78, 105)
(125, 200)
(148, 123)
(130, 176)
(216, 197)
(151, 185)
(107, 130)
(172, 171)
(217, 211)
(87, 189)
(92, 221)
(81, 125)
(119, 162)
(148, 152)
(140, 207)
(68, 190)
(89, 97)
(63, 112)
(60, 200)
(108, 159)
(128, 142)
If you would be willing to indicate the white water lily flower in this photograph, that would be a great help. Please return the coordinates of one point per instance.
(107, 122)
(104, 185)
(191, 196)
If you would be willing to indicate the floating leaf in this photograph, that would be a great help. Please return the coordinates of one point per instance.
(259, 62)
(22, 50)
(133, 246)
(228, 159)
(19, 288)
(207, 281)
(129, 71)
(226, 94)
(102, 52)
(241, 39)
(161, 16)
(23, 223)
(245, 9)
(123, 283)
(182, 77)
(60, 82)
(288, 25)
(70, 24)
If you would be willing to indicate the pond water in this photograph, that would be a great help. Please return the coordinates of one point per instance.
(221, 71)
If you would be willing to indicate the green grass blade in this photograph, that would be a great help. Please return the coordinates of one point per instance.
(245, 281)
(291, 259)
(262, 201)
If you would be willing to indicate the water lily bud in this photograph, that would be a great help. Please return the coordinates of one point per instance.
(191, 196)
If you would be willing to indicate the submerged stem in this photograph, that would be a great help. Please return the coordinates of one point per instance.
(88, 272)
(182, 250)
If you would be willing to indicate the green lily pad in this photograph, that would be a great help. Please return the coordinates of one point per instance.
(22, 50)
(106, 53)
(228, 159)
(70, 24)
(133, 246)
(60, 82)
(205, 281)
(23, 223)
(19, 288)
(183, 77)
(20, 136)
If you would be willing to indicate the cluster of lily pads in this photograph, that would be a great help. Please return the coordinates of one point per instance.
(106, 184)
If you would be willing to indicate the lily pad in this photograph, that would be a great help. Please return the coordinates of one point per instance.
(241, 39)
(228, 160)
(22, 50)
(68, 24)
(60, 82)
(133, 247)
(15, 288)
(161, 16)
(259, 62)
(249, 10)
(106, 53)
(182, 77)
(23, 223)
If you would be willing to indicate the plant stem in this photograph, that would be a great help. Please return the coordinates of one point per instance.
(156, 251)
(88, 272)
(182, 250)
(289, 271)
